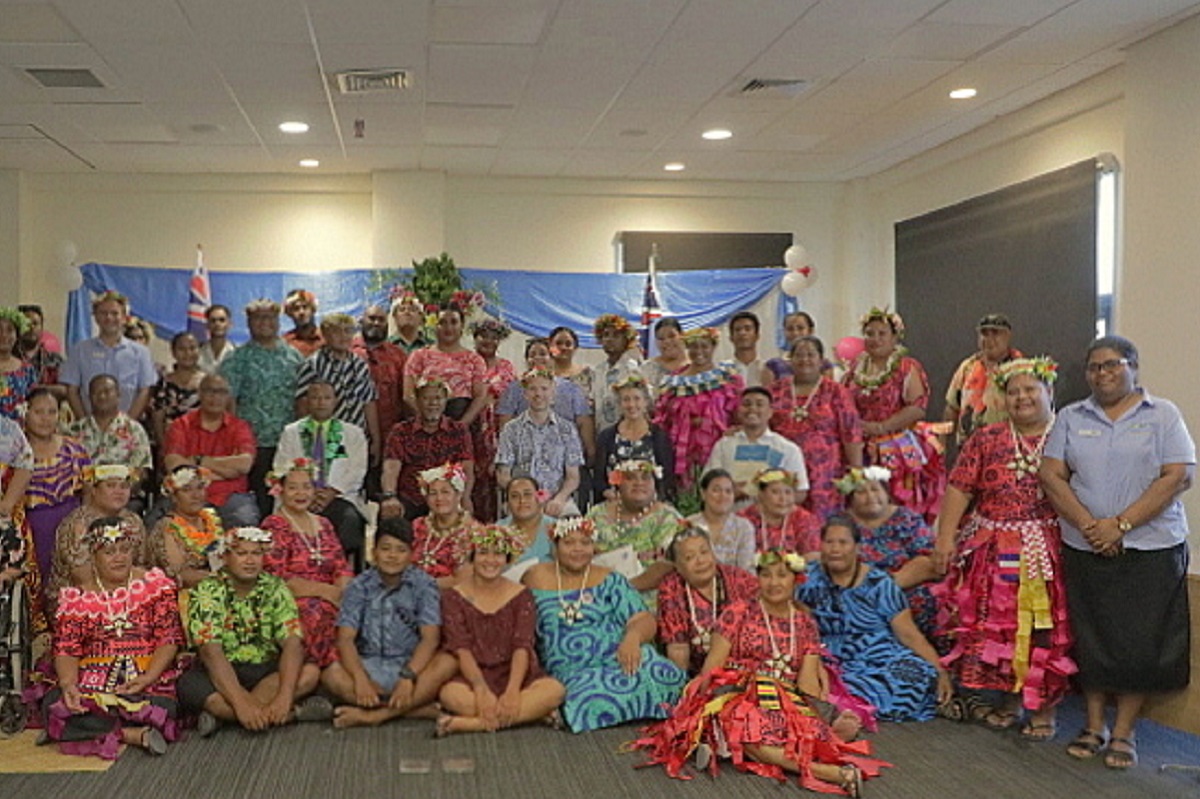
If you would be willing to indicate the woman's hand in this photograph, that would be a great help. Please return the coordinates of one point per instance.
(508, 707)
(366, 692)
(136, 686)
(72, 698)
(402, 694)
(943, 556)
(555, 506)
(629, 654)
(945, 688)
(486, 703)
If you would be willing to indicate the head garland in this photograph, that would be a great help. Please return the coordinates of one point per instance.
(795, 563)
(893, 320)
(275, 478)
(452, 473)
(698, 333)
(497, 327)
(616, 475)
(430, 381)
(262, 305)
(532, 374)
(336, 320)
(184, 477)
(300, 295)
(106, 471)
(253, 535)
(105, 531)
(612, 321)
(631, 380)
(1043, 367)
(856, 477)
(111, 295)
(497, 538)
(18, 320)
(572, 524)
(768, 476)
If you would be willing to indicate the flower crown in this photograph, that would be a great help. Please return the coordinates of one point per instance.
(612, 321)
(856, 477)
(402, 295)
(883, 315)
(497, 326)
(532, 374)
(275, 478)
(111, 295)
(262, 305)
(1043, 367)
(697, 333)
(427, 381)
(496, 538)
(18, 320)
(105, 471)
(465, 302)
(616, 475)
(572, 524)
(254, 535)
(103, 535)
(185, 476)
(769, 557)
(631, 380)
(452, 473)
(300, 295)
(768, 476)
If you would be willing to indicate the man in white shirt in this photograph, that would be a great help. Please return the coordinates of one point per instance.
(743, 334)
(755, 447)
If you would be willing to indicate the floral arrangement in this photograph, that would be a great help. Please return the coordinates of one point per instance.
(253, 535)
(105, 471)
(18, 320)
(497, 327)
(185, 476)
(426, 380)
(856, 477)
(1043, 367)
(101, 535)
(795, 563)
(572, 524)
(612, 321)
(532, 374)
(697, 333)
(616, 475)
(434, 284)
(452, 473)
(883, 315)
(275, 478)
(300, 295)
(496, 538)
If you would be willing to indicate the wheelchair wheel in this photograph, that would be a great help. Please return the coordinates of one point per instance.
(13, 715)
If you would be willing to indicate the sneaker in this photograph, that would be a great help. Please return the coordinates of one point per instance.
(206, 724)
(314, 708)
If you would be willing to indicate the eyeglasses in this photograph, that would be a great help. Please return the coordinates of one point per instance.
(1107, 366)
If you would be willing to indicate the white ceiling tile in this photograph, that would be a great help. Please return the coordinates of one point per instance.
(550, 129)
(602, 163)
(892, 15)
(126, 20)
(218, 22)
(530, 163)
(34, 22)
(478, 75)
(394, 125)
(115, 123)
(168, 73)
(945, 41)
(516, 23)
(465, 126)
(369, 23)
(876, 85)
(231, 127)
(458, 160)
(41, 155)
(271, 72)
(1018, 13)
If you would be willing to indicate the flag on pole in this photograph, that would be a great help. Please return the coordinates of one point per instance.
(199, 298)
(651, 310)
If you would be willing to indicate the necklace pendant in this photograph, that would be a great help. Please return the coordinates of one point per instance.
(702, 640)
(799, 414)
(585, 598)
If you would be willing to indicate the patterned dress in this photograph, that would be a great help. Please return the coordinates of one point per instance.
(14, 388)
(918, 471)
(441, 553)
(114, 635)
(686, 616)
(822, 424)
(199, 544)
(291, 557)
(1004, 595)
(855, 625)
(492, 638)
(460, 370)
(695, 411)
(71, 554)
(484, 492)
(891, 545)
(800, 531)
(17, 546)
(173, 399)
(581, 653)
(734, 543)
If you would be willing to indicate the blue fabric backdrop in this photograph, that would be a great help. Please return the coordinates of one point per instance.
(533, 302)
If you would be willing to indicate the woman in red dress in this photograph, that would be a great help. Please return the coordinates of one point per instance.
(499, 373)
(779, 522)
(442, 540)
(307, 555)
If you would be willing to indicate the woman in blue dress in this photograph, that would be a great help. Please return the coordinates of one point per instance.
(866, 624)
(595, 636)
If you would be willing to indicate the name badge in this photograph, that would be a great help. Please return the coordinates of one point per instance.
(1088, 433)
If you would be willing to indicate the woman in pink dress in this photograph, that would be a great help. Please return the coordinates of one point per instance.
(499, 373)
(442, 539)
(891, 392)
(779, 521)
(307, 555)
(819, 415)
(697, 405)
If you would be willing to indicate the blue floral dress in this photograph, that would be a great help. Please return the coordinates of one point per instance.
(579, 649)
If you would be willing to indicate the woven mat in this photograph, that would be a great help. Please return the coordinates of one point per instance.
(19, 755)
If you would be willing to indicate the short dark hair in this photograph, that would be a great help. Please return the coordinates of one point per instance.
(531, 343)
(42, 391)
(178, 337)
(667, 322)
(37, 309)
(813, 340)
(563, 329)
(100, 377)
(216, 306)
(713, 474)
(756, 390)
(686, 530)
(1119, 343)
(397, 527)
(812, 323)
(843, 521)
(740, 315)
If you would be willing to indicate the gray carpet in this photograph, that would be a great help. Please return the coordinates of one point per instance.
(937, 759)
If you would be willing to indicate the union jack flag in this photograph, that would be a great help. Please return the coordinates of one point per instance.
(651, 313)
(199, 298)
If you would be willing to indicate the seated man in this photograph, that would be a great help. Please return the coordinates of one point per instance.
(541, 444)
(338, 451)
(111, 437)
(389, 629)
(755, 448)
(213, 438)
(245, 625)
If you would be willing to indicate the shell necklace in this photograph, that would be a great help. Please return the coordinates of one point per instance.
(780, 662)
(800, 412)
(311, 541)
(702, 640)
(572, 611)
(1027, 461)
(869, 381)
(441, 535)
(118, 620)
(764, 533)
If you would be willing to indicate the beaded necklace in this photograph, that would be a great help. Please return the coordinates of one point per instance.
(703, 638)
(118, 622)
(1027, 461)
(779, 662)
(800, 412)
(571, 611)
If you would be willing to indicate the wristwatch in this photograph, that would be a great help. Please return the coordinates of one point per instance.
(406, 673)
(1124, 525)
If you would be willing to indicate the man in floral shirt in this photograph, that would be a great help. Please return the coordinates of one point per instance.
(110, 436)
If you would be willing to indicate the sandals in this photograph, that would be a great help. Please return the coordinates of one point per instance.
(964, 708)
(153, 742)
(1124, 758)
(1088, 743)
(851, 780)
(1039, 731)
(1000, 720)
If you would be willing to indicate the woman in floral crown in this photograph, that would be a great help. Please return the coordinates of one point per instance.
(634, 437)
(442, 540)
(116, 634)
(488, 625)
(998, 540)
(498, 375)
(819, 415)
(595, 636)
(636, 518)
(894, 539)
(697, 404)
(307, 555)
(779, 521)
(186, 542)
(759, 697)
(891, 392)
(17, 377)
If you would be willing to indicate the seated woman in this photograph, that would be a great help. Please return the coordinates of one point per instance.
(691, 598)
(731, 535)
(527, 521)
(635, 518)
(866, 625)
(634, 437)
(187, 541)
(388, 632)
(594, 636)
(116, 633)
(442, 540)
(307, 555)
(755, 696)
(16, 469)
(894, 539)
(779, 521)
(488, 625)
(110, 488)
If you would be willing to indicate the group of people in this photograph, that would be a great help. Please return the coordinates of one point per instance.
(532, 561)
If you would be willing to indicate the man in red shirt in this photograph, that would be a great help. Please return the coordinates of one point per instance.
(213, 438)
(386, 363)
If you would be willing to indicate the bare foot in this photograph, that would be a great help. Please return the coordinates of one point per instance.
(847, 726)
(444, 726)
(346, 716)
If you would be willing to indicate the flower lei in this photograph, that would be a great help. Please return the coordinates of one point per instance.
(275, 478)
(14, 317)
(335, 447)
(572, 524)
(615, 322)
(300, 295)
(697, 333)
(262, 305)
(104, 535)
(201, 540)
(497, 326)
(769, 557)
(768, 476)
(112, 295)
(1042, 367)
(856, 477)
(253, 535)
(532, 374)
(869, 383)
(105, 471)
(452, 473)
(496, 538)
(616, 475)
(185, 476)
(877, 314)
(690, 385)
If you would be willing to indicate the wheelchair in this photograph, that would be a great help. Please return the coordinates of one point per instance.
(16, 645)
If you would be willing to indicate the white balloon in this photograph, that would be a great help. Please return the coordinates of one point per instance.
(66, 252)
(797, 280)
(72, 278)
(795, 256)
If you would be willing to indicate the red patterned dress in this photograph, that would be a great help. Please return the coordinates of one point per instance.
(440, 553)
(484, 492)
(822, 424)
(294, 555)
(695, 411)
(800, 531)
(754, 701)
(918, 471)
(686, 616)
(1006, 606)
(114, 636)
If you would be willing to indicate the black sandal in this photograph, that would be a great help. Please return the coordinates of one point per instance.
(852, 780)
(1121, 759)
(1088, 743)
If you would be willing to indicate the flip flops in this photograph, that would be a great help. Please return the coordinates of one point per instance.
(1088, 743)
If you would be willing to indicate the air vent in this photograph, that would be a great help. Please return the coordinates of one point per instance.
(63, 78)
(364, 81)
(769, 87)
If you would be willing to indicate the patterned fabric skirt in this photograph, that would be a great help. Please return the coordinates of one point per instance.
(318, 619)
(917, 466)
(98, 730)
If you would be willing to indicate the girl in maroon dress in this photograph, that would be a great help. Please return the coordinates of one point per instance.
(488, 625)
(308, 556)
(780, 523)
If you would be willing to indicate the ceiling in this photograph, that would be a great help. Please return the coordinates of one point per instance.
(568, 88)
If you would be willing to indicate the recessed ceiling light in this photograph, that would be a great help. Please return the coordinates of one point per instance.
(717, 134)
(294, 127)
(310, 163)
(674, 166)
(963, 94)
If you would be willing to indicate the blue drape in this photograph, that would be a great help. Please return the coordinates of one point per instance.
(532, 302)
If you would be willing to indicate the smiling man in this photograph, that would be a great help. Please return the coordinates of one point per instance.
(110, 353)
(972, 399)
(755, 447)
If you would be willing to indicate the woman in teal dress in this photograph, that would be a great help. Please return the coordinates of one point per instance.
(595, 637)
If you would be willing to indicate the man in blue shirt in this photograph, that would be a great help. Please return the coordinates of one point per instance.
(110, 353)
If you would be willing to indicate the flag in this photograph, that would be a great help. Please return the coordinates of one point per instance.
(651, 313)
(199, 299)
